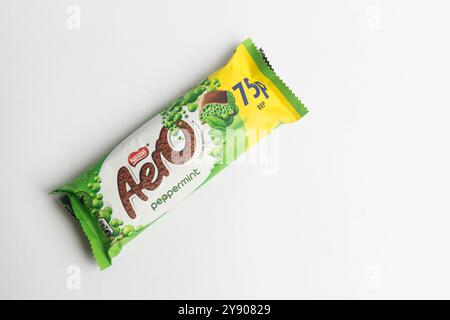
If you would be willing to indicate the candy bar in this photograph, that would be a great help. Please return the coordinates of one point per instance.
(177, 151)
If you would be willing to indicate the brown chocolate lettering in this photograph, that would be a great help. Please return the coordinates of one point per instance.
(151, 174)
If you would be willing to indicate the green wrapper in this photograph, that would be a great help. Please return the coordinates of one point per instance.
(173, 154)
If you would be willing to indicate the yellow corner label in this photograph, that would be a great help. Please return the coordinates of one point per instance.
(262, 107)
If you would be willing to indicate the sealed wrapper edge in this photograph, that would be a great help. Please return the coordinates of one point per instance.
(263, 65)
(179, 150)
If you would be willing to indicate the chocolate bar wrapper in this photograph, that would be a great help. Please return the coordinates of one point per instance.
(179, 150)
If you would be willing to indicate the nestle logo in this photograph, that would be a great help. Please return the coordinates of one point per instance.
(136, 156)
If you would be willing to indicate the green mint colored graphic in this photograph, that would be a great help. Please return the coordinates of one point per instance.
(220, 115)
(192, 106)
(128, 230)
(173, 113)
(218, 121)
(116, 223)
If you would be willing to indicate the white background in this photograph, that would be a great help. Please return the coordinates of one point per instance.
(358, 207)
